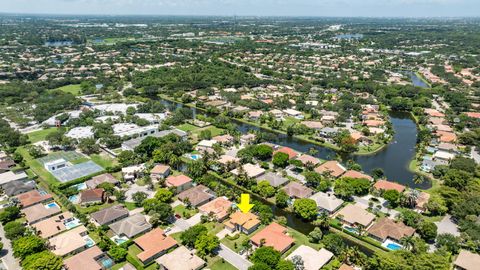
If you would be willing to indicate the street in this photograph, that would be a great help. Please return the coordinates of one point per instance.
(233, 258)
(7, 254)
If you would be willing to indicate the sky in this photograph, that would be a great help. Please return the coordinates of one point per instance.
(324, 8)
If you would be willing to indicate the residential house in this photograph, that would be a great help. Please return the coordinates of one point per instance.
(247, 138)
(252, 171)
(70, 242)
(466, 260)
(326, 202)
(196, 196)
(131, 173)
(297, 191)
(224, 139)
(159, 172)
(11, 176)
(219, 208)
(386, 228)
(242, 222)
(109, 215)
(357, 175)
(254, 115)
(287, 150)
(205, 146)
(90, 259)
(179, 182)
(274, 235)
(443, 156)
(316, 125)
(332, 168)
(54, 225)
(99, 179)
(39, 212)
(274, 179)
(181, 259)
(312, 259)
(92, 196)
(387, 185)
(294, 113)
(307, 159)
(6, 165)
(355, 215)
(153, 245)
(18, 187)
(131, 226)
(33, 197)
(421, 201)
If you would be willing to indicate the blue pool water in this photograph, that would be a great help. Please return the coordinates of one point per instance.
(106, 262)
(350, 229)
(195, 157)
(88, 241)
(81, 186)
(72, 224)
(73, 198)
(50, 205)
(393, 246)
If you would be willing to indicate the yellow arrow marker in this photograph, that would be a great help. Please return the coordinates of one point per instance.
(244, 204)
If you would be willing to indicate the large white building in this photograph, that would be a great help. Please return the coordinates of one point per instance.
(80, 133)
(131, 130)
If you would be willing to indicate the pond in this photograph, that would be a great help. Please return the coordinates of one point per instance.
(393, 159)
(416, 80)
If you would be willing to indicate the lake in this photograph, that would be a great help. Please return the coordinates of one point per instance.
(416, 80)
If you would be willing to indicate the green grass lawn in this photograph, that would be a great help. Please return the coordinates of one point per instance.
(231, 243)
(182, 210)
(93, 208)
(40, 135)
(300, 239)
(213, 227)
(36, 167)
(218, 263)
(72, 89)
(130, 205)
(187, 127)
(103, 160)
(214, 130)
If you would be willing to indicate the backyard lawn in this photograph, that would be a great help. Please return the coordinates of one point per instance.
(187, 127)
(218, 263)
(72, 89)
(214, 131)
(183, 211)
(103, 160)
(40, 135)
(235, 244)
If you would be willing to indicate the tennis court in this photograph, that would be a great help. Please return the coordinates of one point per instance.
(76, 171)
(66, 155)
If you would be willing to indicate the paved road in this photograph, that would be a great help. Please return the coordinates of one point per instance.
(233, 258)
(474, 155)
(6, 254)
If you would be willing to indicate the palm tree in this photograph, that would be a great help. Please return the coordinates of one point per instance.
(407, 242)
(323, 221)
(410, 198)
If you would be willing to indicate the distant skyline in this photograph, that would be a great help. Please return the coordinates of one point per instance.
(330, 8)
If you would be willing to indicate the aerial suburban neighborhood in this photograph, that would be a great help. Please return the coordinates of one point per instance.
(251, 143)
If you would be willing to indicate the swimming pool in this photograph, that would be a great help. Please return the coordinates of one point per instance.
(350, 229)
(391, 245)
(73, 199)
(72, 224)
(119, 239)
(195, 156)
(50, 205)
(80, 186)
(106, 262)
(88, 241)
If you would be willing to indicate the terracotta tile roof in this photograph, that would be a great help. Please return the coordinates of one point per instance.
(273, 236)
(39, 211)
(357, 175)
(373, 123)
(434, 113)
(97, 180)
(445, 136)
(52, 226)
(84, 260)
(345, 267)
(387, 185)
(297, 190)
(387, 228)
(33, 197)
(69, 241)
(332, 167)
(160, 169)
(473, 114)
(246, 220)
(153, 243)
(354, 214)
(219, 207)
(196, 195)
(181, 259)
(307, 158)
(92, 195)
(422, 200)
(467, 260)
(179, 180)
(287, 150)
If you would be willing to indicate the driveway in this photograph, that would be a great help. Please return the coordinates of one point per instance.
(233, 258)
(363, 202)
(136, 188)
(446, 225)
(7, 254)
(194, 220)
